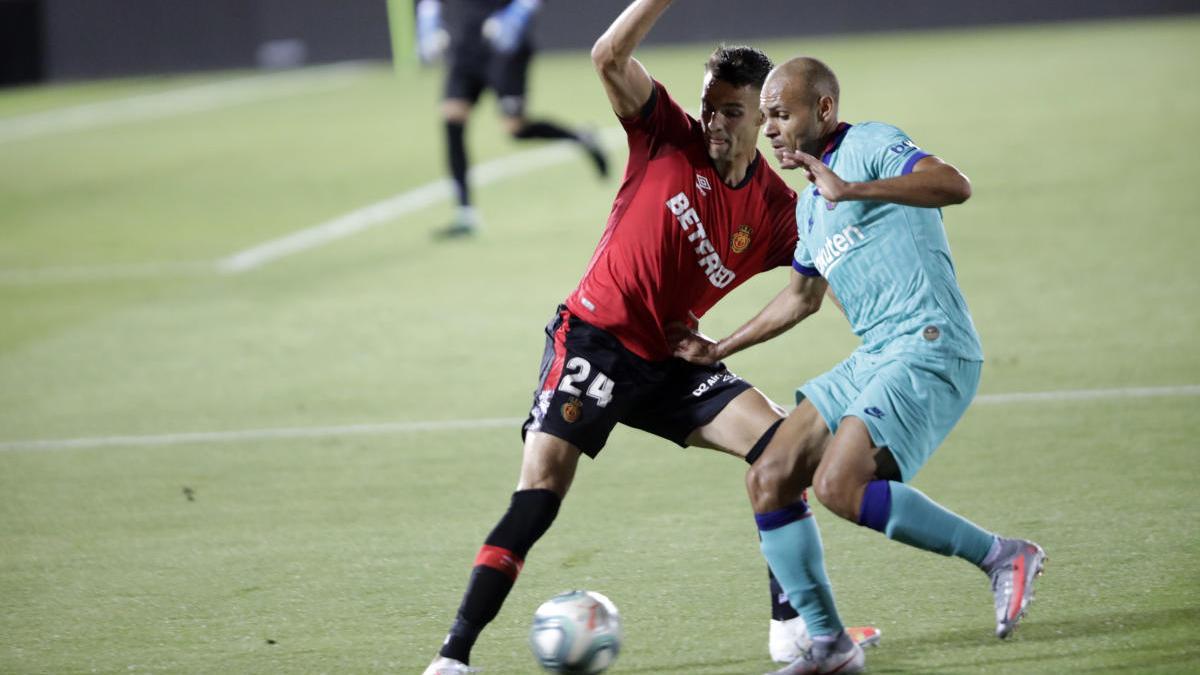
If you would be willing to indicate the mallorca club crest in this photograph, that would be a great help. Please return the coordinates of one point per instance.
(741, 239)
(571, 410)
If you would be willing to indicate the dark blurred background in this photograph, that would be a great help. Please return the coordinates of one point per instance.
(81, 39)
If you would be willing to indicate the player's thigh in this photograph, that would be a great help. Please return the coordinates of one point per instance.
(846, 466)
(465, 81)
(585, 385)
(739, 425)
(508, 77)
(684, 398)
(787, 465)
(912, 403)
(548, 463)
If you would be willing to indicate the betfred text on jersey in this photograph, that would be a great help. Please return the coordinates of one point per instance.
(835, 247)
(689, 220)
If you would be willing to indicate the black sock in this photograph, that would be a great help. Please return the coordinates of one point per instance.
(781, 609)
(549, 130)
(456, 151)
(528, 517)
(480, 604)
(544, 129)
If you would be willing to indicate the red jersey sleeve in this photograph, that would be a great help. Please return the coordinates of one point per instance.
(660, 124)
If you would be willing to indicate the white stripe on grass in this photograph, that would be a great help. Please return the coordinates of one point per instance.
(206, 437)
(402, 204)
(387, 210)
(180, 101)
(1089, 394)
(209, 437)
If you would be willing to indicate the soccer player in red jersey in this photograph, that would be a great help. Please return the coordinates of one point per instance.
(699, 211)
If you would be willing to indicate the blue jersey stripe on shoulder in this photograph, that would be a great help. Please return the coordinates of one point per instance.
(912, 161)
(805, 270)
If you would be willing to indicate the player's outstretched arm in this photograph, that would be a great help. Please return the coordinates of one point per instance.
(932, 183)
(626, 81)
(799, 299)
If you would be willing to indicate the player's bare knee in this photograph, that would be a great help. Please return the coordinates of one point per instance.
(514, 125)
(456, 110)
(836, 492)
(767, 487)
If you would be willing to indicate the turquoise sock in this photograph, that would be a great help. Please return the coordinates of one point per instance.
(792, 546)
(919, 521)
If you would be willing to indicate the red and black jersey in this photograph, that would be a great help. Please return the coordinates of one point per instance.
(678, 239)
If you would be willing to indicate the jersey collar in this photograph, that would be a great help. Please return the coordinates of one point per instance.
(750, 170)
(835, 141)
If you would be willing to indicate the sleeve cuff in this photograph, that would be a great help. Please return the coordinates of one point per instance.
(805, 269)
(647, 108)
(912, 161)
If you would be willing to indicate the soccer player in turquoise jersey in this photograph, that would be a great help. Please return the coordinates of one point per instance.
(870, 229)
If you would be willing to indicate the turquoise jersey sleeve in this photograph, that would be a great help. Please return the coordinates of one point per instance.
(802, 261)
(895, 153)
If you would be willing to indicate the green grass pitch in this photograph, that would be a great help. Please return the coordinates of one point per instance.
(348, 552)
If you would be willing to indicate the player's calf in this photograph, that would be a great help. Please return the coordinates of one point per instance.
(497, 565)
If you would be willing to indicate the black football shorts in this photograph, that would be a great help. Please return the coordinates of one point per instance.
(589, 382)
(474, 68)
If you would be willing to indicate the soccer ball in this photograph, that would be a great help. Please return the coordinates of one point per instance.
(576, 632)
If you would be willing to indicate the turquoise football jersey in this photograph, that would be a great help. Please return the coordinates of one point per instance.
(889, 265)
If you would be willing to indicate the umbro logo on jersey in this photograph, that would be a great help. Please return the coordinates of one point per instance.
(703, 185)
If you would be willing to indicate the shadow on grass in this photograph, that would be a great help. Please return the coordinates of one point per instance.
(1140, 648)
(752, 665)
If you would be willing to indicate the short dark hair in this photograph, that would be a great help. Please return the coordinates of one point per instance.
(739, 65)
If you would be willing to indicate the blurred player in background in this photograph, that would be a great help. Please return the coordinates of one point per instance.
(699, 212)
(870, 229)
(488, 45)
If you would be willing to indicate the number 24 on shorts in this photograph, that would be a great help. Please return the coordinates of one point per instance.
(578, 370)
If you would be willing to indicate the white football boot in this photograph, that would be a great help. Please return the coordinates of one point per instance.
(787, 639)
(1012, 575)
(842, 656)
(447, 666)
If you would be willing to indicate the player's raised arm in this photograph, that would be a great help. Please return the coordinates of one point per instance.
(931, 184)
(799, 299)
(626, 81)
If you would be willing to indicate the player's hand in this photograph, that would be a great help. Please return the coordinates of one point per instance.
(432, 38)
(831, 186)
(506, 28)
(691, 345)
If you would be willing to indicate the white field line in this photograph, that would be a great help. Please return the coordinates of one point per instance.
(181, 101)
(208, 437)
(402, 204)
(340, 227)
(1089, 394)
(259, 434)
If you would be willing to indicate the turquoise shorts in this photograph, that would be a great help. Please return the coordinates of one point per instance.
(909, 401)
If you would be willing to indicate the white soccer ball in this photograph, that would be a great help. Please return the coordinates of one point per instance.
(576, 632)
